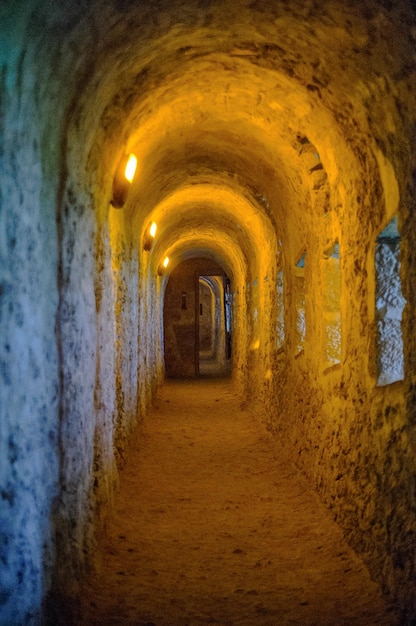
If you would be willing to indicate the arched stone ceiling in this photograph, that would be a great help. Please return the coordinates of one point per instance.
(233, 221)
(210, 244)
(233, 91)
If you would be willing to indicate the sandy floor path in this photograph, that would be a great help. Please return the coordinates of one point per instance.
(213, 526)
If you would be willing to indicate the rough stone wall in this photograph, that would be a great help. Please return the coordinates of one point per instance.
(29, 372)
(77, 335)
(126, 303)
(105, 464)
(240, 331)
(151, 363)
(29, 358)
(62, 339)
(110, 367)
(352, 438)
(75, 81)
(402, 413)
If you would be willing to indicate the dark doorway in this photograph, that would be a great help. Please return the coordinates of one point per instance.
(214, 325)
(197, 321)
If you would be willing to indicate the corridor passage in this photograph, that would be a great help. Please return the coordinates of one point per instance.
(214, 525)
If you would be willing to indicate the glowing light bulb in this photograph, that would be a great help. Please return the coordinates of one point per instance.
(166, 262)
(130, 170)
(153, 229)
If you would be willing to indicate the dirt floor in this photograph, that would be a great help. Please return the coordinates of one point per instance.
(214, 526)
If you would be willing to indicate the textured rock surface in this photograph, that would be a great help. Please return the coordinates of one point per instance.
(262, 130)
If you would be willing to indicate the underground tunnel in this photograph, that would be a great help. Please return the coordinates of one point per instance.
(274, 145)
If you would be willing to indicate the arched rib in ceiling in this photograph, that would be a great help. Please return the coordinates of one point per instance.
(210, 244)
(219, 209)
(192, 143)
(240, 128)
(244, 82)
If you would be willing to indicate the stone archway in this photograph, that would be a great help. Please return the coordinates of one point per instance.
(183, 310)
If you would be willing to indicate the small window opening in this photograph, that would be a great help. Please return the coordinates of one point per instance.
(183, 301)
(389, 306)
(300, 330)
(280, 306)
(332, 305)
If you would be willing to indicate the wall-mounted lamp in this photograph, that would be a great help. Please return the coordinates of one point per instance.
(149, 236)
(153, 229)
(122, 180)
(163, 265)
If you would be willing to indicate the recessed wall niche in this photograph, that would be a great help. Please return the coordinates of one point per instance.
(389, 306)
(332, 306)
(300, 328)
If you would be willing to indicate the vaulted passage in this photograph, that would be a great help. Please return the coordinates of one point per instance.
(187, 190)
